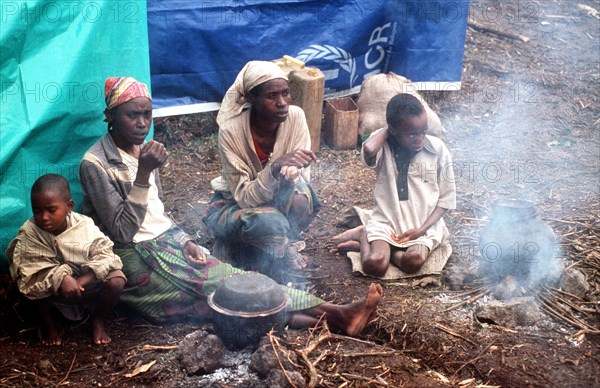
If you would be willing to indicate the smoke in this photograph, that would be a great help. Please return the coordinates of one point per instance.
(503, 154)
(516, 242)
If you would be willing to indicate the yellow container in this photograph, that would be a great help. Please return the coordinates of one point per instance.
(307, 87)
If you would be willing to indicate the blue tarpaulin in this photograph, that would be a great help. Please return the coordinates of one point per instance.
(197, 48)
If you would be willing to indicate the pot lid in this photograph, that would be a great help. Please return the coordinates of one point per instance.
(248, 295)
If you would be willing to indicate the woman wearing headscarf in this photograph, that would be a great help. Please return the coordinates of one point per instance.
(168, 274)
(263, 199)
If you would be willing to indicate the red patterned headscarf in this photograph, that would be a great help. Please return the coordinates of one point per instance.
(118, 90)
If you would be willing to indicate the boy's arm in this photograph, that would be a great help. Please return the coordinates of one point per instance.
(71, 288)
(101, 259)
(37, 271)
(434, 217)
(373, 144)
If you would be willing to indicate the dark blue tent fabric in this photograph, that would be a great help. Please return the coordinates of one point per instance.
(197, 48)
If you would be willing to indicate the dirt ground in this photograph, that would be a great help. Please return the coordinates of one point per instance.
(525, 124)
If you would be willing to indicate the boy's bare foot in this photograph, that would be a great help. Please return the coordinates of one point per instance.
(53, 337)
(360, 312)
(349, 240)
(348, 246)
(99, 334)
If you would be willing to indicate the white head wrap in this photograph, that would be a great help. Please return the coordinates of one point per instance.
(252, 74)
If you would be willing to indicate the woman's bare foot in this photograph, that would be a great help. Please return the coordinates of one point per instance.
(99, 334)
(350, 318)
(359, 313)
(53, 337)
(349, 240)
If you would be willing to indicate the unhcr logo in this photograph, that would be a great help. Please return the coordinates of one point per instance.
(330, 53)
(374, 56)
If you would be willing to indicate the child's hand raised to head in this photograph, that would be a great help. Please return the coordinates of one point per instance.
(70, 288)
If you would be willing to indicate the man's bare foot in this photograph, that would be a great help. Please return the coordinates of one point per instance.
(294, 258)
(348, 240)
(53, 337)
(99, 335)
(359, 313)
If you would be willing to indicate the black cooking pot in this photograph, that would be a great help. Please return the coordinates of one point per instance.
(245, 307)
(516, 242)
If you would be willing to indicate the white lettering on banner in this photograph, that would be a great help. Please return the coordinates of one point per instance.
(376, 38)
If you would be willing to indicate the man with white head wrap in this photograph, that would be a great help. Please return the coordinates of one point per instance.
(263, 199)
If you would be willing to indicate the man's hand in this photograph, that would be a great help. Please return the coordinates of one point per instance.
(290, 173)
(194, 254)
(70, 288)
(299, 159)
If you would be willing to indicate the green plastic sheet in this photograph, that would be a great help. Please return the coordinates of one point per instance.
(54, 58)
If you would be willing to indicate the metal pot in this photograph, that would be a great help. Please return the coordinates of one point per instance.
(245, 307)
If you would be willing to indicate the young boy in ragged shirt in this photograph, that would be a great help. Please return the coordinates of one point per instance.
(414, 189)
(63, 263)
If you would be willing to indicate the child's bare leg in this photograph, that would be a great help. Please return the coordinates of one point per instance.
(353, 234)
(375, 257)
(412, 259)
(50, 334)
(108, 298)
(349, 318)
